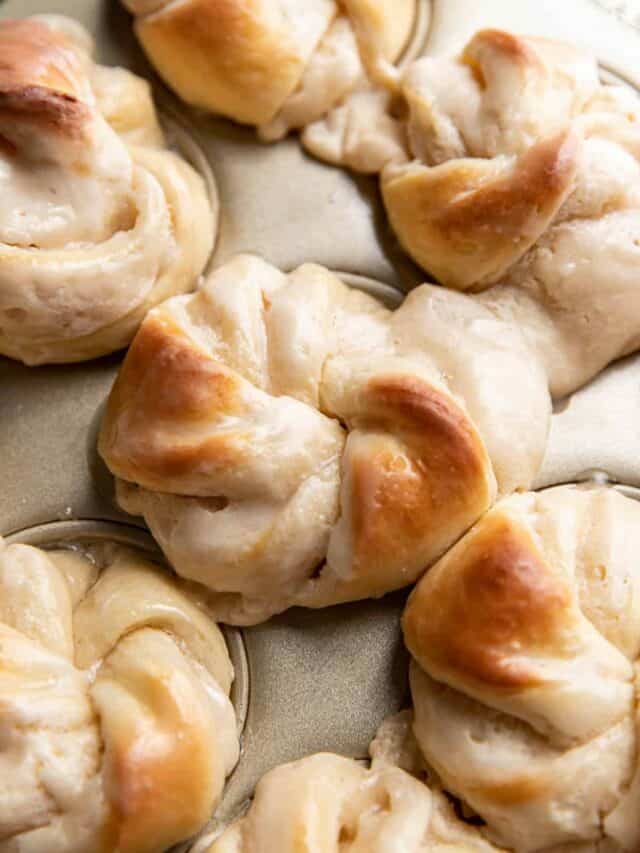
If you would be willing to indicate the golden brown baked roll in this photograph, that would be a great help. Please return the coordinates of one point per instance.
(517, 141)
(278, 64)
(99, 220)
(526, 641)
(512, 167)
(329, 804)
(289, 440)
(117, 730)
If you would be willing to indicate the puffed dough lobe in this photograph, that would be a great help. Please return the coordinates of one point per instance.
(117, 729)
(511, 171)
(278, 64)
(526, 638)
(289, 440)
(100, 220)
(329, 804)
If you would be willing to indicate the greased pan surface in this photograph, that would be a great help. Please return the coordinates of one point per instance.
(316, 680)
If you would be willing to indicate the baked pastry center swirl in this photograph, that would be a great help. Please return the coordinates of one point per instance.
(99, 220)
(513, 171)
(289, 440)
(526, 643)
(117, 729)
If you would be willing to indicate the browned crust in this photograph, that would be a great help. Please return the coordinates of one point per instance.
(492, 599)
(466, 226)
(157, 762)
(515, 48)
(158, 784)
(224, 55)
(438, 470)
(166, 389)
(39, 78)
(504, 207)
(209, 25)
(58, 113)
(512, 792)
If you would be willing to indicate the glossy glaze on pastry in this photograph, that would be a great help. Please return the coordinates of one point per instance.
(289, 440)
(512, 170)
(117, 730)
(526, 641)
(329, 804)
(99, 220)
(278, 64)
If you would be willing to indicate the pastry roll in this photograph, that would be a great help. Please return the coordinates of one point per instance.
(278, 64)
(329, 804)
(516, 142)
(511, 170)
(289, 440)
(526, 640)
(100, 221)
(117, 729)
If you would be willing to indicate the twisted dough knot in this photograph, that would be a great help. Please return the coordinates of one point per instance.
(518, 137)
(117, 732)
(520, 170)
(278, 64)
(289, 440)
(99, 220)
(329, 804)
(526, 640)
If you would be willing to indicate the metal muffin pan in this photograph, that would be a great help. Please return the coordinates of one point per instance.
(311, 680)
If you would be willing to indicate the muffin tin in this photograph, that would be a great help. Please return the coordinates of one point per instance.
(306, 680)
